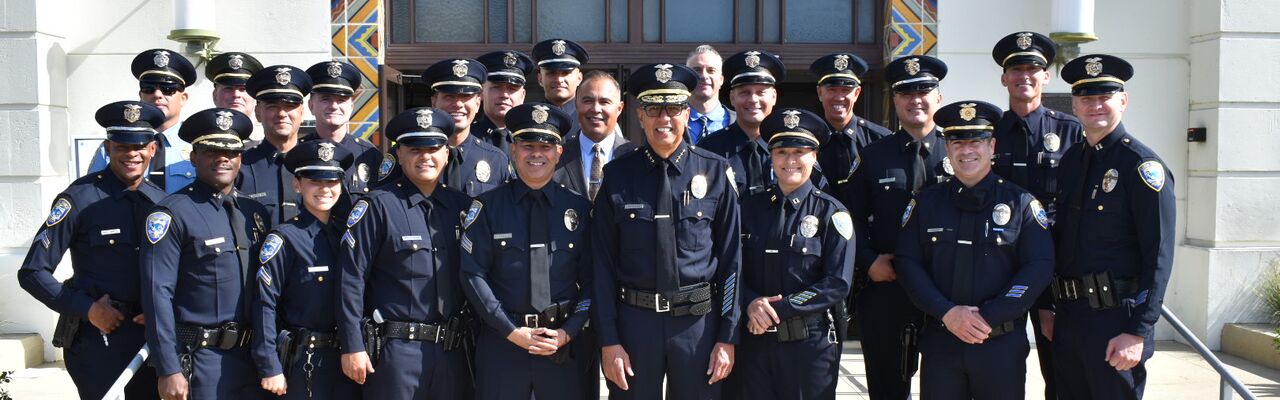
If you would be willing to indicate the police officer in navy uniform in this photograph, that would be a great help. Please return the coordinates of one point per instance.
(753, 76)
(526, 265)
(1115, 230)
(503, 88)
(98, 217)
(974, 253)
(560, 73)
(890, 172)
(797, 265)
(474, 166)
(229, 71)
(399, 276)
(198, 282)
(297, 349)
(1030, 142)
(839, 85)
(333, 90)
(279, 90)
(667, 254)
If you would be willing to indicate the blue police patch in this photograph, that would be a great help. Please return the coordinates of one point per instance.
(59, 211)
(264, 276)
(1153, 174)
(270, 247)
(843, 224)
(472, 213)
(906, 214)
(384, 169)
(357, 213)
(158, 225)
(1042, 217)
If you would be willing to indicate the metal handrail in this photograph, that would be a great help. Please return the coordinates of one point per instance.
(1228, 381)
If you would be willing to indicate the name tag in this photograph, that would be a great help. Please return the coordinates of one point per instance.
(537, 245)
(214, 241)
(290, 204)
(410, 238)
(933, 230)
(322, 268)
(1019, 164)
(964, 242)
(770, 251)
(632, 206)
(997, 229)
(255, 195)
(889, 179)
(661, 216)
(110, 232)
(500, 236)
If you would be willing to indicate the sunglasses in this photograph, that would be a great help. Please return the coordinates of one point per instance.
(167, 88)
(670, 110)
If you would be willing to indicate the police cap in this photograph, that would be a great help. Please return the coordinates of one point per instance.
(283, 83)
(455, 75)
(1024, 48)
(420, 127)
(754, 66)
(538, 122)
(130, 122)
(508, 66)
(970, 119)
(559, 54)
(839, 69)
(794, 127)
(656, 84)
(321, 160)
(1096, 74)
(232, 68)
(914, 74)
(217, 128)
(334, 77)
(163, 67)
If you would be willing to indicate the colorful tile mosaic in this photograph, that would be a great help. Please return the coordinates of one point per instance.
(911, 28)
(356, 38)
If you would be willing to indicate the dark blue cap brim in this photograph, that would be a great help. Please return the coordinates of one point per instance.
(423, 142)
(839, 81)
(916, 87)
(559, 65)
(1025, 59)
(127, 137)
(1097, 89)
(508, 79)
(457, 89)
(280, 97)
(536, 137)
(967, 134)
(321, 175)
(232, 81)
(793, 142)
(333, 90)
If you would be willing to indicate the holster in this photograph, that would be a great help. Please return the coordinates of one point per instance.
(841, 318)
(372, 339)
(910, 348)
(285, 350)
(792, 329)
(65, 332)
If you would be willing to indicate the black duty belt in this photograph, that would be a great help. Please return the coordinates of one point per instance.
(795, 328)
(690, 300)
(227, 336)
(128, 309)
(1100, 289)
(415, 331)
(315, 340)
(996, 330)
(551, 317)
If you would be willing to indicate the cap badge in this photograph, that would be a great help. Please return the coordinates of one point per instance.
(912, 66)
(283, 77)
(808, 226)
(1024, 40)
(424, 118)
(335, 69)
(968, 112)
(1093, 66)
(842, 62)
(663, 73)
(791, 119)
(540, 114)
(509, 60)
(325, 152)
(557, 47)
(1001, 214)
(235, 61)
(223, 120)
(161, 59)
(459, 68)
(698, 186)
(753, 59)
(132, 112)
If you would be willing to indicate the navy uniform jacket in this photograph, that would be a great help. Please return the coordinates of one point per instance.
(1013, 260)
(395, 263)
(486, 131)
(838, 157)
(96, 219)
(190, 265)
(484, 167)
(880, 189)
(735, 146)
(1125, 223)
(1033, 162)
(495, 258)
(261, 179)
(297, 266)
(707, 242)
(815, 255)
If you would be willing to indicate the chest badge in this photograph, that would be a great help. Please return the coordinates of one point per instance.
(571, 219)
(483, 171)
(946, 166)
(698, 186)
(362, 172)
(1001, 214)
(1052, 142)
(1109, 180)
(808, 226)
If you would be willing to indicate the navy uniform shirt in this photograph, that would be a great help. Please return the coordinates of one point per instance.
(734, 145)
(191, 268)
(496, 246)
(707, 242)
(1118, 215)
(297, 266)
(810, 265)
(484, 167)
(264, 178)
(100, 220)
(1012, 249)
(838, 157)
(400, 259)
(488, 132)
(880, 189)
(1029, 150)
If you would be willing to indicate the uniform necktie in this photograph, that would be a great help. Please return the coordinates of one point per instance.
(141, 205)
(970, 202)
(1021, 152)
(668, 277)
(539, 259)
(242, 243)
(442, 282)
(454, 176)
(756, 167)
(597, 170)
(157, 172)
(284, 189)
(773, 260)
(918, 154)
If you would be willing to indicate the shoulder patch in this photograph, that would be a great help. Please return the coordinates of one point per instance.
(1042, 217)
(158, 226)
(472, 213)
(357, 212)
(906, 214)
(59, 211)
(843, 224)
(270, 247)
(388, 163)
(1152, 173)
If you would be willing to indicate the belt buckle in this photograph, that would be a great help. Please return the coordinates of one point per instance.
(660, 304)
(531, 320)
(1072, 290)
(773, 329)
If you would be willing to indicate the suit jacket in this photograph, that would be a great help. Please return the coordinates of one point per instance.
(569, 170)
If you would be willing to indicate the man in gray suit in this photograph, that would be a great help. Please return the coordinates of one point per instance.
(598, 140)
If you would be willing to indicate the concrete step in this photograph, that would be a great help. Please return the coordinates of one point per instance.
(1253, 342)
(19, 351)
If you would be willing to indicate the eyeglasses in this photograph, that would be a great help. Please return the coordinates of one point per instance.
(670, 110)
(167, 88)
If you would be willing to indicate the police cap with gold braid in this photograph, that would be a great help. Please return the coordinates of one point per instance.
(969, 119)
(794, 127)
(657, 84)
(839, 69)
(231, 68)
(216, 128)
(1096, 74)
(1024, 48)
(538, 122)
(334, 77)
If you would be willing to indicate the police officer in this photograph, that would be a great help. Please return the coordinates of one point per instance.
(399, 283)
(229, 71)
(666, 245)
(1115, 230)
(797, 265)
(196, 271)
(839, 85)
(753, 75)
(890, 173)
(526, 266)
(503, 88)
(279, 90)
(163, 78)
(297, 349)
(474, 166)
(974, 254)
(1030, 142)
(98, 218)
(333, 90)
(560, 73)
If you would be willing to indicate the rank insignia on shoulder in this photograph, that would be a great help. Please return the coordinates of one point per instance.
(1042, 217)
(158, 226)
(58, 212)
(472, 213)
(264, 276)
(843, 224)
(270, 247)
(357, 213)
(1153, 174)
(348, 239)
(906, 214)
(466, 243)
